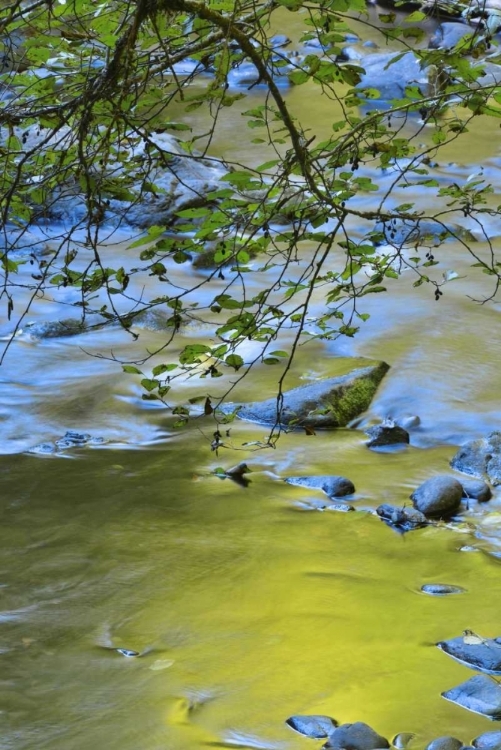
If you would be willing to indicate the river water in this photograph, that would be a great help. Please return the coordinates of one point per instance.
(245, 604)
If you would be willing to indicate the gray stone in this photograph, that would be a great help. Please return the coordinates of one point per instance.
(391, 78)
(449, 34)
(483, 654)
(357, 736)
(332, 486)
(340, 507)
(445, 743)
(488, 741)
(481, 458)
(315, 727)
(402, 739)
(438, 496)
(476, 489)
(386, 433)
(441, 589)
(402, 519)
(480, 694)
(332, 402)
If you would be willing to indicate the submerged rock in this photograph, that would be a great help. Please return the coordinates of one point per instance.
(402, 739)
(357, 736)
(332, 486)
(438, 496)
(340, 507)
(488, 741)
(70, 440)
(315, 727)
(402, 519)
(386, 433)
(445, 743)
(480, 694)
(481, 458)
(441, 589)
(332, 402)
(476, 652)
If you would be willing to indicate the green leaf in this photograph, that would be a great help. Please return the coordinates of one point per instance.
(235, 361)
(133, 370)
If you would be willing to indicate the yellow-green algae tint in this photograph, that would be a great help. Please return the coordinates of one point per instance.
(246, 609)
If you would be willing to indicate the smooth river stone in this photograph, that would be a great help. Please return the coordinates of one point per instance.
(445, 743)
(480, 694)
(357, 736)
(488, 741)
(476, 652)
(332, 486)
(438, 496)
(315, 727)
(441, 589)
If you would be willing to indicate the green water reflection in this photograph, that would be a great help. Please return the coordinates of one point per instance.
(244, 609)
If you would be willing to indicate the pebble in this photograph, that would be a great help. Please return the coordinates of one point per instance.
(402, 739)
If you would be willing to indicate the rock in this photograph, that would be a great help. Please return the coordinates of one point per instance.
(438, 496)
(386, 433)
(391, 78)
(402, 519)
(340, 507)
(448, 34)
(332, 402)
(488, 741)
(476, 489)
(445, 743)
(315, 727)
(402, 739)
(357, 736)
(441, 589)
(70, 440)
(332, 486)
(483, 654)
(480, 694)
(405, 233)
(481, 458)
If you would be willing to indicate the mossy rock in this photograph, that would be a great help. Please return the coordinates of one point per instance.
(332, 402)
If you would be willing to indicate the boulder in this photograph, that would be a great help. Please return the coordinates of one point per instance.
(483, 654)
(488, 741)
(439, 496)
(386, 433)
(448, 34)
(401, 519)
(332, 402)
(445, 743)
(332, 486)
(357, 736)
(481, 458)
(480, 694)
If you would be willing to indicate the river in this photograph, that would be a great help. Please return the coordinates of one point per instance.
(245, 605)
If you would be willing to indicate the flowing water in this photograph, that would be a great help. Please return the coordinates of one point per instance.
(245, 604)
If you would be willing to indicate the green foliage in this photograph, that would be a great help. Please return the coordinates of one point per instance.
(98, 92)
